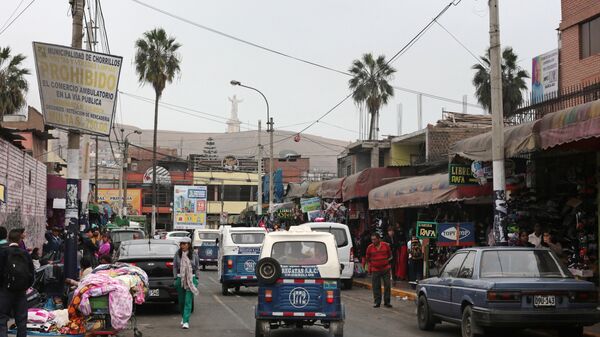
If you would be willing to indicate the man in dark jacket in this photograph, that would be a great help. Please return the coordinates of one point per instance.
(14, 301)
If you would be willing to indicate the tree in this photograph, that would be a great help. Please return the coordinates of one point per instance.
(210, 150)
(370, 87)
(13, 85)
(513, 82)
(156, 62)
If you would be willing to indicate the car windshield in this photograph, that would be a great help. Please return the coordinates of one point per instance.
(521, 263)
(300, 253)
(248, 238)
(208, 236)
(167, 250)
(340, 235)
(125, 236)
(179, 234)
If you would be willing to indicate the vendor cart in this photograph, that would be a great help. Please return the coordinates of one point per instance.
(98, 323)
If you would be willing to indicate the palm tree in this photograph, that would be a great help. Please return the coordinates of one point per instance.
(13, 85)
(370, 87)
(156, 62)
(513, 82)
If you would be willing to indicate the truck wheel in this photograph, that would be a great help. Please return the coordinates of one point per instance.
(268, 270)
(262, 329)
(336, 329)
(424, 315)
(468, 326)
(224, 289)
(575, 331)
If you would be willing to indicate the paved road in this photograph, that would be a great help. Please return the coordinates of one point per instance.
(233, 316)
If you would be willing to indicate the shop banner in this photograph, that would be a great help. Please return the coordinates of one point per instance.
(314, 215)
(457, 234)
(189, 207)
(544, 76)
(426, 230)
(310, 204)
(112, 197)
(461, 174)
(78, 88)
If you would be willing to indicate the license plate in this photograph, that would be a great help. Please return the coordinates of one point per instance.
(154, 292)
(544, 301)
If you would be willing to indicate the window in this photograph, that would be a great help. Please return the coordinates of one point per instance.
(521, 263)
(239, 193)
(148, 250)
(248, 238)
(300, 253)
(340, 235)
(467, 267)
(589, 35)
(453, 265)
(213, 193)
(208, 236)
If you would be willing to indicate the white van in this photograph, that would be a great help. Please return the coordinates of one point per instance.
(344, 245)
(204, 242)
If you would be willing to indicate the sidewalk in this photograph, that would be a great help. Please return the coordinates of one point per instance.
(404, 289)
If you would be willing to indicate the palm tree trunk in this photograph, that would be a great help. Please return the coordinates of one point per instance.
(154, 194)
(373, 125)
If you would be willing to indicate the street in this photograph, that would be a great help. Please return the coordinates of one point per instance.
(216, 315)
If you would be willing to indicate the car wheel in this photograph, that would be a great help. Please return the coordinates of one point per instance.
(268, 270)
(348, 284)
(468, 326)
(224, 289)
(336, 329)
(575, 331)
(424, 316)
(262, 329)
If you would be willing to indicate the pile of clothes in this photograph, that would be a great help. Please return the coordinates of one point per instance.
(41, 320)
(124, 285)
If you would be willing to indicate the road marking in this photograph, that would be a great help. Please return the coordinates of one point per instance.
(231, 311)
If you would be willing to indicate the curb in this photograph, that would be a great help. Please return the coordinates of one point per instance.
(397, 292)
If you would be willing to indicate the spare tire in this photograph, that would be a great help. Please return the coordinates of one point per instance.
(268, 270)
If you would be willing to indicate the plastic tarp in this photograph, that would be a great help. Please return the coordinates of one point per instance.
(314, 189)
(359, 184)
(332, 189)
(296, 190)
(422, 191)
(569, 125)
(518, 139)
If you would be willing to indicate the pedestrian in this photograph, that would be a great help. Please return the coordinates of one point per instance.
(536, 237)
(549, 241)
(54, 244)
(185, 267)
(85, 267)
(22, 240)
(16, 268)
(105, 245)
(89, 249)
(35, 256)
(524, 240)
(3, 236)
(379, 256)
(415, 259)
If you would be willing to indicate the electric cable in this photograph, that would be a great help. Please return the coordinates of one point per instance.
(16, 17)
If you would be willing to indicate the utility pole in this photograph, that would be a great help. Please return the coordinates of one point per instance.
(259, 170)
(96, 173)
(500, 207)
(72, 210)
(121, 176)
(271, 182)
(125, 168)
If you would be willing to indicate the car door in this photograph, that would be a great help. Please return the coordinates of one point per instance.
(461, 285)
(447, 278)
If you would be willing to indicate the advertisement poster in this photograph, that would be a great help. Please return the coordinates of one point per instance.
(426, 230)
(457, 234)
(189, 207)
(544, 76)
(112, 197)
(78, 88)
(310, 204)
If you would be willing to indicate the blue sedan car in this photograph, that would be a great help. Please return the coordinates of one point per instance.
(486, 288)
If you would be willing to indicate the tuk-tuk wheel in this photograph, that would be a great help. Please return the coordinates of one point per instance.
(268, 270)
(224, 289)
(336, 329)
(262, 329)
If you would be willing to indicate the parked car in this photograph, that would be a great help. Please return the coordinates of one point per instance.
(205, 245)
(344, 247)
(177, 236)
(155, 257)
(119, 235)
(487, 288)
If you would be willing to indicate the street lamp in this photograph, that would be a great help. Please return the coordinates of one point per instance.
(270, 131)
(124, 164)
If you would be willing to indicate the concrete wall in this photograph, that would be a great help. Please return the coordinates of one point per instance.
(25, 181)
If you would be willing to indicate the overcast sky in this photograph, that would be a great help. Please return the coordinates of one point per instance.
(331, 33)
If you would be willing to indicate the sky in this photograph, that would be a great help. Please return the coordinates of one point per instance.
(332, 33)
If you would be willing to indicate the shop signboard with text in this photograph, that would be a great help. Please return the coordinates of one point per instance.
(426, 230)
(113, 197)
(457, 234)
(461, 174)
(189, 207)
(78, 88)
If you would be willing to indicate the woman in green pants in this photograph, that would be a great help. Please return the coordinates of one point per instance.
(185, 267)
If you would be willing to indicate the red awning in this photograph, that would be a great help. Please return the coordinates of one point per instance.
(359, 184)
(332, 189)
(423, 191)
(569, 125)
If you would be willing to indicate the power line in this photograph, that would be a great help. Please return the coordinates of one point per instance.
(16, 17)
(11, 14)
(477, 58)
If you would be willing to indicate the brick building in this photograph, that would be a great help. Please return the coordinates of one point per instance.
(294, 169)
(580, 42)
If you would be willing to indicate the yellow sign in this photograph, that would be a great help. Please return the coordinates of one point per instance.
(111, 197)
(78, 88)
(2, 193)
